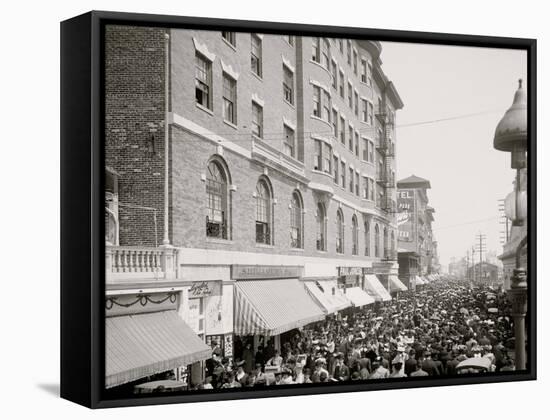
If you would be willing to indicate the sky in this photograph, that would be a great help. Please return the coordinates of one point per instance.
(467, 175)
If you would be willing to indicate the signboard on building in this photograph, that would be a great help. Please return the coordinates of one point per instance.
(248, 272)
(200, 289)
(350, 271)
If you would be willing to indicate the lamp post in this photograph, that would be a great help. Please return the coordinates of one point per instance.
(511, 136)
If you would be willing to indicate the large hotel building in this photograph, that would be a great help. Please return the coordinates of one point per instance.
(250, 188)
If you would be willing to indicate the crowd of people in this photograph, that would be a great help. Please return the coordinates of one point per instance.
(423, 333)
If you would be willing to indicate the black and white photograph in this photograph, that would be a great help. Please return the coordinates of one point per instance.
(286, 210)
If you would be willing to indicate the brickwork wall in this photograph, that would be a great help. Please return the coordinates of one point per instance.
(134, 109)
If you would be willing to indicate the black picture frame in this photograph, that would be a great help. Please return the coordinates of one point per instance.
(82, 213)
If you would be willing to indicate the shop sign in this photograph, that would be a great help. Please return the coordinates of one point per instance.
(201, 289)
(350, 271)
(244, 272)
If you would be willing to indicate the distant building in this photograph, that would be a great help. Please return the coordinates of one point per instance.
(485, 273)
(417, 248)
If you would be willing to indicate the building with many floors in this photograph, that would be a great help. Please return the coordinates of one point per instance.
(245, 175)
(417, 247)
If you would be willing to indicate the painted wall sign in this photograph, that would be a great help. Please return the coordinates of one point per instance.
(265, 271)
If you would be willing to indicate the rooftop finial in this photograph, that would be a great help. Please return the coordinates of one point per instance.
(520, 82)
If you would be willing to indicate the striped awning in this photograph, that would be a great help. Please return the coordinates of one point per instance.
(358, 296)
(271, 307)
(144, 344)
(376, 289)
(397, 285)
(327, 295)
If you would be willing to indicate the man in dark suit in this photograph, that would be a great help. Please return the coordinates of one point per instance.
(410, 363)
(340, 371)
(429, 366)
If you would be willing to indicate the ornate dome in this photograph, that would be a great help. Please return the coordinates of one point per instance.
(511, 131)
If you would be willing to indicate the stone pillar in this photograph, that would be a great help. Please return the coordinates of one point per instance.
(168, 261)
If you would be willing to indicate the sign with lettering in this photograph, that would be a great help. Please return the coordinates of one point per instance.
(200, 289)
(350, 271)
(265, 271)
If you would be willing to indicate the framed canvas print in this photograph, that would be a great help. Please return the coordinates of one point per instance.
(255, 209)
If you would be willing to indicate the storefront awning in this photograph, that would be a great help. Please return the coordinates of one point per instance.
(327, 294)
(358, 296)
(144, 344)
(376, 289)
(396, 285)
(420, 281)
(271, 307)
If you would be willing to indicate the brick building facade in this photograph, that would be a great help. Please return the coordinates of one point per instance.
(281, 154)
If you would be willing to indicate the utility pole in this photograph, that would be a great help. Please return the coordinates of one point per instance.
(481, 248)
(505, 236)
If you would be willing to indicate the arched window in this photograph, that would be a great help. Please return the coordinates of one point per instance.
(217, 200)
(321, 221)
(386, 245)
(296, 221)
(264, 212)
(339, 232)
(376, 241)
(367, 238)
(354, 236)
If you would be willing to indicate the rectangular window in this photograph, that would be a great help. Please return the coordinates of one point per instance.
(341, 44)
(256, 55)
(356, 103)
(365, 150)
(356, 144)
(343, 174)
(336, 166)
(317, 159)
(326, 153)
(351, 175)
(334, 73)
(229, 37)
(317, 101)
(257, 120)
(288, 85)
(371, 114)
(335, 122)
(357, 183)
(350, 138)
(364, 71)
(365, 188)
(349, 52)
(371, 151)
(342, 82)
(229, 99)
(289, 141)
(355, 62)
(364, 110)
(326, 54)
(290, 39)
(323, 157)
(350, 96)
(203, 81)
(342, 130)
(316, 50)
(369, 74)
(371, 189)
(326, 106)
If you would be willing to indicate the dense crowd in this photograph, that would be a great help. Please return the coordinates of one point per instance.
(423, 333)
